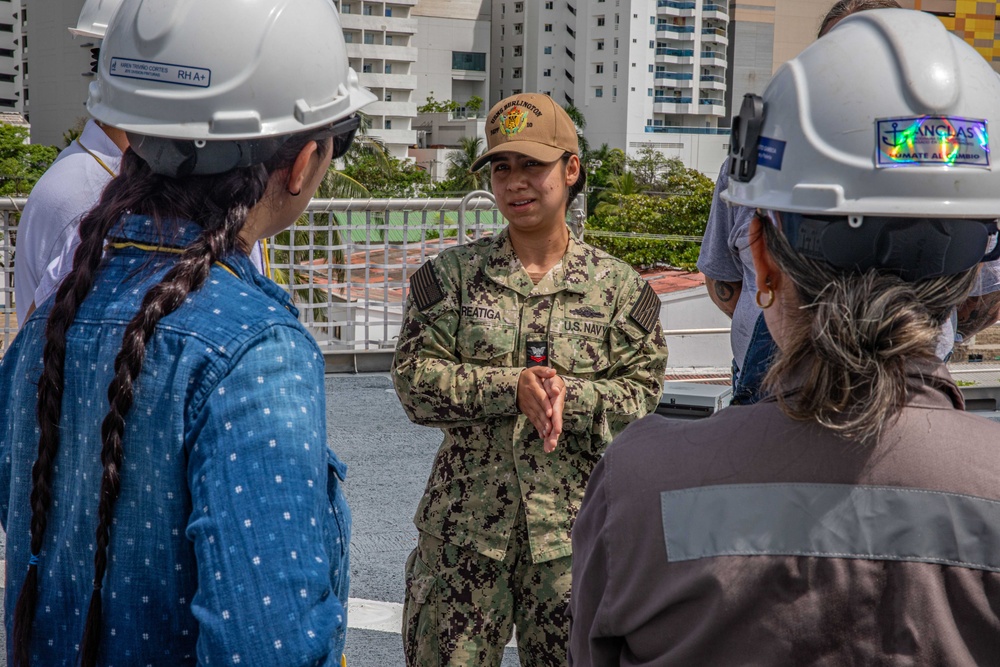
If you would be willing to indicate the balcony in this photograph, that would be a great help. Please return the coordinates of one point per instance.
(378, 23)
(667, 56)
(711, 107)
(383, 108)
(713, 82)
(669, 27)
(714, 59)
(676, 76)
(674, 105)
(404, 137)
(715, 35)
(674, 8)
(382, 52)
(715, 11)
(394, 81)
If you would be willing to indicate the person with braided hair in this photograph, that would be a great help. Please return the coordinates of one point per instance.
(195, 515)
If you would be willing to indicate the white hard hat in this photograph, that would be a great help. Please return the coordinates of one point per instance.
(888, 114)
(94, 18)
(872, 149)
(224, 70)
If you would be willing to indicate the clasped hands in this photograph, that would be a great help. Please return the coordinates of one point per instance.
(541, 396)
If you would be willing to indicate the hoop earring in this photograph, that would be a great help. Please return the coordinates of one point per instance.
(770, 299)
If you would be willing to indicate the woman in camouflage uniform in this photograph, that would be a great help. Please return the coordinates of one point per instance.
(531, 351)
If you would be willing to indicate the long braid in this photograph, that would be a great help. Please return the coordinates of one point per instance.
(69, 296)
(187, 276)
(219, 238)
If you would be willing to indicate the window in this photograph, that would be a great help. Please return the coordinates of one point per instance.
(599, 92)
(650, 68)
(518, 28)
(649, 92)
(516, 91)
(599, 68)
(369, 38)
(548, 27)
(517, 72)
(366, 10)
(388, 40)
(345, 9)
(518, 51)
(652, 44)
(388, 11)
(501, 53)
(546, 72)
(6, 27)
(388, 68)
(388, 96)
(616, 68)
(366, 68)
(600, 21)
(548, 5)
(470, 62)
(548, 51)
(388, 124)
(652, 20)
(600, 45)
(349, 37)
(518, 7)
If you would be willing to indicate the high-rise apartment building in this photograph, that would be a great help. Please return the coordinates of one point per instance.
(642, 72)
(13, 56)
(380, 47)
(453, 46)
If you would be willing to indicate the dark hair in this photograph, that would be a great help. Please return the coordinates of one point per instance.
(219, 204)
(853, 337)
(581, 181)
(844, 8)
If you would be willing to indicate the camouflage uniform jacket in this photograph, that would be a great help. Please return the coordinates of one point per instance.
(474, 317)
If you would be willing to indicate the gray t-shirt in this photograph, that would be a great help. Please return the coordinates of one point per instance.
(725, 255)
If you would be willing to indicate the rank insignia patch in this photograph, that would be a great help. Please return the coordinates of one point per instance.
(538, 353)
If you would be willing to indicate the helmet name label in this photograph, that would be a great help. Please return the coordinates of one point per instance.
(770, 153)
(178, 75)
(931, 141)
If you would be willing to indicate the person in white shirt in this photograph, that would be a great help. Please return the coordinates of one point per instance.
(48, 233)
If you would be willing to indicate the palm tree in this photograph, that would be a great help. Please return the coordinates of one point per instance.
(619, 186)
(460, 166)
(338, 185)
(576, 116)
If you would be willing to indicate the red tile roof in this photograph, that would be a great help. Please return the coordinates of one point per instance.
(667, 281)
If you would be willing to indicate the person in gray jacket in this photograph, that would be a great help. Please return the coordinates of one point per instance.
(853, 517)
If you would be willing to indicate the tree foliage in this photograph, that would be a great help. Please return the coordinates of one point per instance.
(387, 176)
(682, 209)
(21, 163)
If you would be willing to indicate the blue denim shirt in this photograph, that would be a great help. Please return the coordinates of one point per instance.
(230, 537)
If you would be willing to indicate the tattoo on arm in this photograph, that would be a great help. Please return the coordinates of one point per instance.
(977, 313)
(724, 291)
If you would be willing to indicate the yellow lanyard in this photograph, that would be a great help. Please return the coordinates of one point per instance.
(96, 157)
(159, 248)
(265, 258)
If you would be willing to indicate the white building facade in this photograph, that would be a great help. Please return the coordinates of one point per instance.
(13, 57)
(453, 42)
(642, 72)
(381, 48)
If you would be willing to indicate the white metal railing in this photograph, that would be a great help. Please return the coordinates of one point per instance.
(347, 266)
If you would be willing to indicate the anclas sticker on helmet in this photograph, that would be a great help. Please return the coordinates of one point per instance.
(926, 141)
(178, 75)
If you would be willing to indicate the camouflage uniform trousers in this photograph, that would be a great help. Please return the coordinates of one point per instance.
(461, 606)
